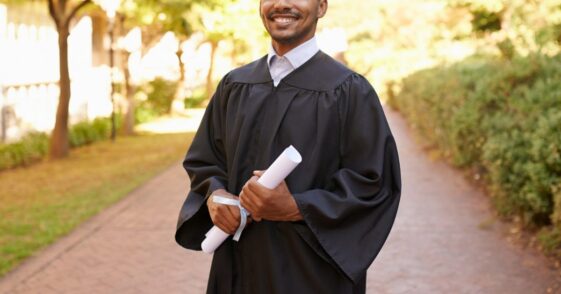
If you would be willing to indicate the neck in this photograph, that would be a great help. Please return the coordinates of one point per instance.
(281, 48)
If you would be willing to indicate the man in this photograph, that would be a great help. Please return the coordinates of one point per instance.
(319, 231)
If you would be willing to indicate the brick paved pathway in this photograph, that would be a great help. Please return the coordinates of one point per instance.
(437, 246)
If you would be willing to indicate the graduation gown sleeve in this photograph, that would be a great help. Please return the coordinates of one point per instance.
(352, 216)
(206, 165)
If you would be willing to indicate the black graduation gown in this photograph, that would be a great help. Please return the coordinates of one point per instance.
(347, 186)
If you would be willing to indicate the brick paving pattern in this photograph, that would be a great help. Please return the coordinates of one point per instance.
(438, 244)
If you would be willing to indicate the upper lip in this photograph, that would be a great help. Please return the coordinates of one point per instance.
(274, 15)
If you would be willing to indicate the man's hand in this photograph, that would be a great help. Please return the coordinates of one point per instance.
(276, 205)
(226, 217)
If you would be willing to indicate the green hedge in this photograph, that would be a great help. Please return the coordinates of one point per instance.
(29, 149)
(501, 119)
(88, 132)
(156, 98)
(34, 146)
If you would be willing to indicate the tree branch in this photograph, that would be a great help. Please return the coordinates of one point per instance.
(149, 40)
(53, 13)
(74, 11)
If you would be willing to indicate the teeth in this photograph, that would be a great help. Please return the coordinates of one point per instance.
(284, 19)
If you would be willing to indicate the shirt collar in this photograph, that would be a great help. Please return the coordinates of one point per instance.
(298, 55)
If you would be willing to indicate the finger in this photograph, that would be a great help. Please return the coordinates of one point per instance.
(282, 186)
(253, 179)
(231, 221)
(221, 225)
(210, 202)
(213, 211)
(224, 216)
(246, 205)
(250, 202)
(218, 221)
(235, 214)
(245, 200)
(258, 173)
(254, 186)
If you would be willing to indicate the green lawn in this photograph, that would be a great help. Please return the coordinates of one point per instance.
(41, 203)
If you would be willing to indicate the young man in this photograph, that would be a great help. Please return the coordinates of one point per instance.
(319, 231)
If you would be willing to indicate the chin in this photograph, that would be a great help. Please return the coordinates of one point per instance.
(285, 39)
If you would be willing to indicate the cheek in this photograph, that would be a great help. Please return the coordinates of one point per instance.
(264, 7)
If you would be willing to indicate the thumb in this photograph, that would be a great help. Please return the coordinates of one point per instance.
(258, 172)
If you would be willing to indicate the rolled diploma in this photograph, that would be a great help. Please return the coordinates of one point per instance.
(271, 178)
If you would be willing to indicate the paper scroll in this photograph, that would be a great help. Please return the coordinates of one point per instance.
(271, 178)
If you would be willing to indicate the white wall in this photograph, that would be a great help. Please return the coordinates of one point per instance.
(29, 72)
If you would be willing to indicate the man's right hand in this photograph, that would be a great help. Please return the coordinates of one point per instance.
(226, 217)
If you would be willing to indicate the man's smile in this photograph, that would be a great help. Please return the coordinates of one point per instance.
(284, 18)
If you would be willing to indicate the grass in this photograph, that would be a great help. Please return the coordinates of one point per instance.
(44, 202)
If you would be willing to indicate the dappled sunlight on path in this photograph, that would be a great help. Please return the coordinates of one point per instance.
(174, 124)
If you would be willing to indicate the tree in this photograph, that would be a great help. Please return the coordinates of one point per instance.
(237, 22)
(514, 25)
(155, 18)
(63, 13)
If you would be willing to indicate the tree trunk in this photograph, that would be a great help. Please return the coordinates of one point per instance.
(113, 135)
(59, 137)
(181, 81)
(58, 146)
(128, 123)
(209, 85)
(178, 105)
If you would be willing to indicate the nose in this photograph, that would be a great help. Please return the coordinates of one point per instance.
(281, 4)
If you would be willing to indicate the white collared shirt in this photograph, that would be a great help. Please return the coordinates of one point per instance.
(281, 66)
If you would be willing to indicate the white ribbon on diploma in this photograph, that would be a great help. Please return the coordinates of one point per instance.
(243, 213)
(271, 178)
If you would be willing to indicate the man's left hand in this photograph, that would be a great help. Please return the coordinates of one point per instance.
(276, 205)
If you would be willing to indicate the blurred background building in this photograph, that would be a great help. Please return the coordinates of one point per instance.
(29, 70)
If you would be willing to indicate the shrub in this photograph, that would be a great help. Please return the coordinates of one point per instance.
(196, 99)
(34, 146)
(499, 117)
(144, 113)
(84, 133)
(154, 98)
(160, 94)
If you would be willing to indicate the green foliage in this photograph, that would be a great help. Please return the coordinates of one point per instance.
(84, 133)
(156, 98)
(160, 94)
(507, 49)
(500, 118)
(143, 112)
(550, 239)
(196, 99)
(233, 21)
(29, 149)
(33, 146)
(485, 21)
(155, 18)
(530, 25)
